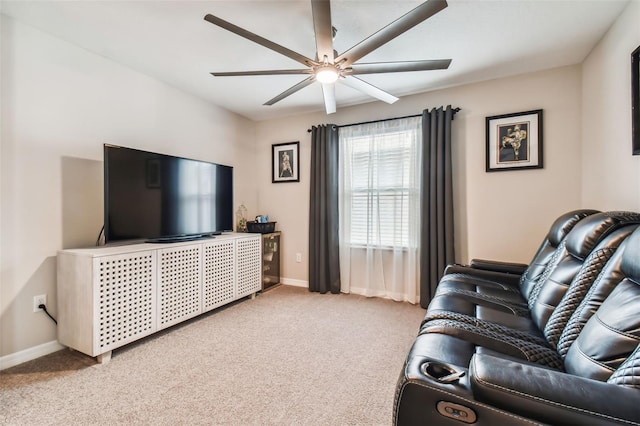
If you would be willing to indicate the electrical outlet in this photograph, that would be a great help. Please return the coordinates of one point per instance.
(298, 257)
(39, 300)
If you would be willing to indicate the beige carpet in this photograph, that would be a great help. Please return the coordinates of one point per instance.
(289, 357)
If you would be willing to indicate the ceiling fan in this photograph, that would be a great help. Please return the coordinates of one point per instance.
(329, 67)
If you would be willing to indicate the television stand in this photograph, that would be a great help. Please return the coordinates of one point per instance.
(110, 296)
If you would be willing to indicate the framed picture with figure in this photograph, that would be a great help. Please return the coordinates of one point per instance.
(285, 162)
(514, 141)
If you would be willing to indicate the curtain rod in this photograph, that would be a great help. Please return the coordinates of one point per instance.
(388, 119)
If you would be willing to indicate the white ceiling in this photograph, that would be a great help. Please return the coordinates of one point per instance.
(171, 41)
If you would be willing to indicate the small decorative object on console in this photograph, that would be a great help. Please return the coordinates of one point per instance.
(241, 217)
(261, 225)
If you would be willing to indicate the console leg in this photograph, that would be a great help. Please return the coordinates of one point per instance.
(253, 296)
(104, 358)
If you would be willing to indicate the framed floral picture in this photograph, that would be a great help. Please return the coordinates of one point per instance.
(285, 162)
(514, 141)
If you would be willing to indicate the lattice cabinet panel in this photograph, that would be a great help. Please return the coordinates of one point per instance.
(249, 269)
(218, 286)
(112, 295)
(180, 295)
(125, 299)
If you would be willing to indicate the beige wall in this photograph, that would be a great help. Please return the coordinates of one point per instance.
(587, 124)
(60, 104)
(500, 215)
(610, 174)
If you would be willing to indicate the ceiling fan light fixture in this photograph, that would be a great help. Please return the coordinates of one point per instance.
(327, 74)
(328, 66)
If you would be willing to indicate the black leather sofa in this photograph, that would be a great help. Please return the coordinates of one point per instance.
(553, 342)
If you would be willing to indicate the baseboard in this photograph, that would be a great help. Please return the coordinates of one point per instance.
(295, 283)
(29, 354)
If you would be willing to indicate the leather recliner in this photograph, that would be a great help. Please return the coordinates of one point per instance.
(576, 360)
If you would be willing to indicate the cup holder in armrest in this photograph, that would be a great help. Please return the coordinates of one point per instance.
(440, 372)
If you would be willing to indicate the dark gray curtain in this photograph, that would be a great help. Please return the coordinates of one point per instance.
(436, 244)
(324, 259)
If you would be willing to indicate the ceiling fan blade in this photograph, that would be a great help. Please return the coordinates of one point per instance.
(267, 72)
(382, 67)
(304, 83)
(322, 27)
(391, 31)
(260, 40)
(369, 89)
(329, 92)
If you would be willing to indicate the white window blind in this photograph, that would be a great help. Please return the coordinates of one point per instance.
(380, 185)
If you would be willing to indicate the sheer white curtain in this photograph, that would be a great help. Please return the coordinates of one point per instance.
(380, 170)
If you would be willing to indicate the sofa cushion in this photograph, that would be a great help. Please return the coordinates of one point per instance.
(558, 232)
(610, 335)
(597, 266)
(596, 231)
(579, 306)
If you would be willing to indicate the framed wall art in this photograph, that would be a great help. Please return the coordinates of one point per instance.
(514, 141)
(635, 101)
(285, 162)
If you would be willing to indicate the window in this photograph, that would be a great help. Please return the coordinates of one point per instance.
(380, 190)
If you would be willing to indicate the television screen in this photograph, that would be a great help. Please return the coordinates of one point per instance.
(164, 198)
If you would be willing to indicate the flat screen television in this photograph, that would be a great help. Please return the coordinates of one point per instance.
(162, 198)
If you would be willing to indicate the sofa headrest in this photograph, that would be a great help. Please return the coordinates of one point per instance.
(631, 257)
(565, 223)
(587, 233)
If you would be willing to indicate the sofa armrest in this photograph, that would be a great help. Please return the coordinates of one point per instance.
(483, 277)
(549, 395)
(497, 266)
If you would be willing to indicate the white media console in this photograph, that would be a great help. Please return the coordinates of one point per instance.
(109, 296)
